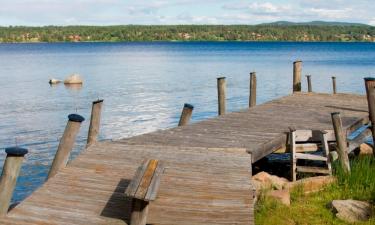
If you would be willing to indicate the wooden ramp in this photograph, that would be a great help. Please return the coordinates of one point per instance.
(207, 166)
(199, 186)
(263, 129)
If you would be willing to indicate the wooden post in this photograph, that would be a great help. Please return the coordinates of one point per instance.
(309, 87)
(253, 90)
(94, 122)
(297, 70)
(11, 170)
(334, 85)
(186, 114)
(139, 212)
(66, 144)
(370, 91)
(340, 135)
(221, 92)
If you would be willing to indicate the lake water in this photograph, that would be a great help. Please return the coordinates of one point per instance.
(144, 86)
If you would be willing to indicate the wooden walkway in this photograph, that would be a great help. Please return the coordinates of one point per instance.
(207, 179)
(262, 129)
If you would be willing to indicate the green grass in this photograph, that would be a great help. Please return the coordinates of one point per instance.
(312, 209)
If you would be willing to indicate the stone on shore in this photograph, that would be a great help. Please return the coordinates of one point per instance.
(312, 184)
(264, 180)
(282, 196)
(73, 79)
(351, 210)
(54, 81)
(365, 149)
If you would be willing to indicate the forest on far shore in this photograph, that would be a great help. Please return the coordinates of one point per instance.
(263, 32)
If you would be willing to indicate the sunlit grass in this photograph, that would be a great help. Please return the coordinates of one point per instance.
(312, 209)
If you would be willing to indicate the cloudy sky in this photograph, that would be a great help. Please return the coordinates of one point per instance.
(113, 12)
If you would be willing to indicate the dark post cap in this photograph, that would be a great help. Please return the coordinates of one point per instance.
(297, 61)
(333, 77)
(335, 113)
(251, 73)
(187, 105)
(16, 151)
(369, 79)
(219, 78)
(308, 75)
(97, 101)
(76, 118)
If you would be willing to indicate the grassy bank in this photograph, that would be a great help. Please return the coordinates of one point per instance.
(312, 209)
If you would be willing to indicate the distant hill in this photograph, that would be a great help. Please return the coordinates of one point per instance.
(314, 23)
(277, 31)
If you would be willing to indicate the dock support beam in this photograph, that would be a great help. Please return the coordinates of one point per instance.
(297, 70)
(186, 113)
(253, 90)
(94, 122)
(340, 136)
(221, 93)
(334, 91)
(309, 86)
(370, 92)
(66, 144)
(11, 170)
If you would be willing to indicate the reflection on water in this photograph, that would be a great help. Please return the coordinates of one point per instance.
(73, 87)
(144, 86)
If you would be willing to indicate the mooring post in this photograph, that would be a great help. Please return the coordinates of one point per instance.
(340, 136)
(370, 92)
(221, 92)
(186, 113)
(334, 85)
(94, 122)
(297, 70)
(309, 86)
(11, 170)
(253, 90)
(66, 144)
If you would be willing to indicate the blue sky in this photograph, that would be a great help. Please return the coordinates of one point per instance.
(113, 12)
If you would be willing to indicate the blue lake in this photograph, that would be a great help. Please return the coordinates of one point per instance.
(144, 86)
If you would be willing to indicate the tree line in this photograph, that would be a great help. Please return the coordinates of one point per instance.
(187, 33)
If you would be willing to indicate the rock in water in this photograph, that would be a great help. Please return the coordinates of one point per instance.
(73, 79)
(54, 81)
(351, 210)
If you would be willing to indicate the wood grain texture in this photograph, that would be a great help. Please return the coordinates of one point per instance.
(207, 175)
(198, 186)
(263, 129)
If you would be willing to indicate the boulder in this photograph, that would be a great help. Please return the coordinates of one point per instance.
(282, 196)
(365, 149)
(264, 180)
(351, 210)
(54, 81)
(312, 184)
(73, 79)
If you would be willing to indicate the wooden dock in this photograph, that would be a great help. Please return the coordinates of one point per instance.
(207, 177)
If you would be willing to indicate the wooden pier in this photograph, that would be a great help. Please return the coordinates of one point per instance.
(207, 175)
